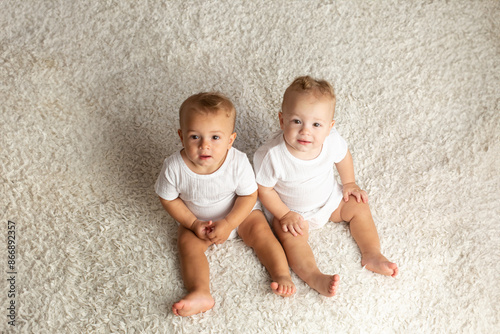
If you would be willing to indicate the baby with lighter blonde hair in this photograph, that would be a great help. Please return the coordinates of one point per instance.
(294, 171)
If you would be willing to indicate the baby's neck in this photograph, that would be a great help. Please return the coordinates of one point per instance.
(304, 155)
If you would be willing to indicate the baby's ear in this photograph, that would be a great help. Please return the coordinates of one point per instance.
(280, 116)
(232, 138)
(179, 132)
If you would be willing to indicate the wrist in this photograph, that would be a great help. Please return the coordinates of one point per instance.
(191, 226)
(284, 215)
(228, 222)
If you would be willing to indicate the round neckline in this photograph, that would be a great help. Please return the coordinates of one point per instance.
(291, 156)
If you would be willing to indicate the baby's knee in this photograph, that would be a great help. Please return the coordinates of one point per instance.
(183, 240)
(255, 228)
(305, 226)
(362, 207)
(188, 241)
(260, 227)
(359, 210)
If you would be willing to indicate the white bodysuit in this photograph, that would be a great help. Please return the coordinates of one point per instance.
(212, 196)
(307, 187)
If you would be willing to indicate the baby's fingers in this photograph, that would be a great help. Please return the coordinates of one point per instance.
(295, 229)
(346, 196)
(361, 196)
(291, 229)
(207, 228)
(213, 238)
(288, 228)
(284, 228)
(298, 229)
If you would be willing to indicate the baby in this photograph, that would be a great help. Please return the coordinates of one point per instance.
(209, 188)
(294, 172)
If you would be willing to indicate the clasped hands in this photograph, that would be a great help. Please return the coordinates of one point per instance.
(217, 232)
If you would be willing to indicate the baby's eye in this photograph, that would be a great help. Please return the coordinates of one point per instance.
(316, 125)
(296, 121)
(216, 137)
(194, 137)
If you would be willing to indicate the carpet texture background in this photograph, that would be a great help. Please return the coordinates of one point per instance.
(89, 98)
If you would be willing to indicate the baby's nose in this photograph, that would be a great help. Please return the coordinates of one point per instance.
(205, 143)
(305, 129)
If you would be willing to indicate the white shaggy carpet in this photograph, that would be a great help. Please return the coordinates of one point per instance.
(89, 93)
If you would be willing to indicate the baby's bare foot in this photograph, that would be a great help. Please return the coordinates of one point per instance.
(379, 264)
(326, 285)
(193, 303)
(283, 286)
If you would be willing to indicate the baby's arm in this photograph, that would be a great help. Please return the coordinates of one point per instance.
(180, 212)
(346, 172)
(242, 207)
(290, 221)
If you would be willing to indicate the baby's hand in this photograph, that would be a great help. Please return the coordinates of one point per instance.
(292, 222)
(353, 189)
(220, 231)
(202, 228)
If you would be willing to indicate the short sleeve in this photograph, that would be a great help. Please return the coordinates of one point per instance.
(338, 146)
(264, 171)
(165, 185)
(246, 177)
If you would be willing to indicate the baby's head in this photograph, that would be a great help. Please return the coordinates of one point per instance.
(306, 117)
(307, 86)
(207, 123)
(208, 103)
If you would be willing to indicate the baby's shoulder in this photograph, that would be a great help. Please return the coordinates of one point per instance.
(334, 136)
(269, 151)
(176, 156)
(236, 155)
(237, 159)
(336, 146)
(333, 132)
(173, 161)
(272, 143)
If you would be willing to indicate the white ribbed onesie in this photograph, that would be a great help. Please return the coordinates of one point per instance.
(305, 186)
(212, 196)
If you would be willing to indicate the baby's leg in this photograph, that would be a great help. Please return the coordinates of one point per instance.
(256, 233)
(195, 274)
(365, 234)
(301, 260)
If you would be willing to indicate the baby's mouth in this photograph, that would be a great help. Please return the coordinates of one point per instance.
(205, 157)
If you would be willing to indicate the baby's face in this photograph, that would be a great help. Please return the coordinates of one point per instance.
(206, 138)
(306, 121)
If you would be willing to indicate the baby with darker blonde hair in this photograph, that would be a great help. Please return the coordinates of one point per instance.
(209, 102)
(209, 188)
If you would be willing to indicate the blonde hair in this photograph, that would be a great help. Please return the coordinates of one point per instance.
(207, 102)
(307, 84)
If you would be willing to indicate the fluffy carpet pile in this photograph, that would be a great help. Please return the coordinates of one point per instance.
(89, 98)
